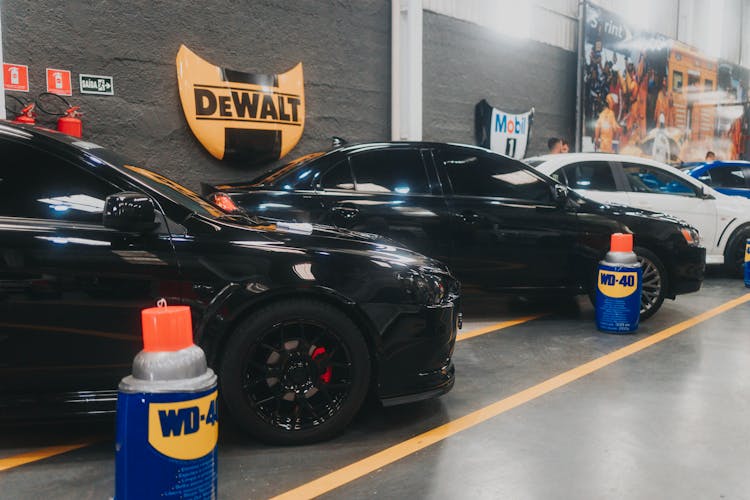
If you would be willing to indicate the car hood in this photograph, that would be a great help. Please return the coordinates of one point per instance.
(624, 211)
(316, 238)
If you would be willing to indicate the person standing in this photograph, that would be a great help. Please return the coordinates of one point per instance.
(554, 145)
(606, 128)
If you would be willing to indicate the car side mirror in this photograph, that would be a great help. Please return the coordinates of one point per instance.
(128, 211)
(705, 195)
(560, 195)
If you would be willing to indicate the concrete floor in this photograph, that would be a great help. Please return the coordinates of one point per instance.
(671, 421)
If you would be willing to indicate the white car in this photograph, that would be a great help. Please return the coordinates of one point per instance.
(722, 221)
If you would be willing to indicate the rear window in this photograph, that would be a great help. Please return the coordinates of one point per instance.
(727, 177)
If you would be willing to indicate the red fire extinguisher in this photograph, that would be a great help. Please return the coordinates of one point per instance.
(26, 115)
(70, 124)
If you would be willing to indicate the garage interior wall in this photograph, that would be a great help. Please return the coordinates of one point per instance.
(468, 63)
(514, 54)
(344, 48)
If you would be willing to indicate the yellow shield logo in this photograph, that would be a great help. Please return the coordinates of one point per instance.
(618, 284)
(242, 117)
(184, 430)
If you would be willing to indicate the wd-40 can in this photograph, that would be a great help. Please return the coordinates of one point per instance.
(747, 263)
(618, 287)
(167, 414)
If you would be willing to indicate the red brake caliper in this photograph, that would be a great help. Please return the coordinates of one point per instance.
(325, 376)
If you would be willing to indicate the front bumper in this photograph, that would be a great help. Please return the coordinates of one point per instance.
(687, 268)
(414, 358)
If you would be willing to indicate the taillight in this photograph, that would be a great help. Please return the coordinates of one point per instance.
(224, 202)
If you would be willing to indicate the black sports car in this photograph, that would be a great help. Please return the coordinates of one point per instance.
(498, 223)
(299, 321)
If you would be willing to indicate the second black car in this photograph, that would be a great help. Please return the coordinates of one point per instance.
(499, 224)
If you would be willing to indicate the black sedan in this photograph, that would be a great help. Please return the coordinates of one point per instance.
(299, 321)
(498, 223)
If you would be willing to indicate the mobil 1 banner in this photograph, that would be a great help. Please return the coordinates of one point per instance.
(503, 132)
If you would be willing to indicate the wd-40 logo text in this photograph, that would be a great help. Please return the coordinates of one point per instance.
(247, 105)
(509, 124)
(248, 118)
(184, 430)
(618, 284)
(747, 252)
(186, 420)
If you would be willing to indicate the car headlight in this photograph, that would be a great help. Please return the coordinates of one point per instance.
(423, 288)
(692, 237)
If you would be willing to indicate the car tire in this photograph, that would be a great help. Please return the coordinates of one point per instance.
(653, 283)
(295, 372)
(734, 254)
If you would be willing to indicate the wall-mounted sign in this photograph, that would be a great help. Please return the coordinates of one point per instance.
(241, 117)
(503, 132)
(16, 77)
(96, 84)
(58, 82)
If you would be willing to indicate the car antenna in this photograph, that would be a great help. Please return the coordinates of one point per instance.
(337, 142)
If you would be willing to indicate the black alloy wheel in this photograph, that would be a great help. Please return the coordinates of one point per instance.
(295, 372)
(653, 282)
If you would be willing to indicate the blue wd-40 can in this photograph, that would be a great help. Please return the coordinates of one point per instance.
(618, 287)
(167, 414)
(747, 263)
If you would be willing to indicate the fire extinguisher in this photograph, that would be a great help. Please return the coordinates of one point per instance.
(26, 115)
(25, 111)
(69, 122)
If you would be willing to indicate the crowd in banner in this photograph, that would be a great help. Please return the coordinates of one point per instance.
(625, 105)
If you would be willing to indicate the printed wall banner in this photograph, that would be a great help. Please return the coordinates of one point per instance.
(16, 77)
(647, 95)
(241, 117)
(502, 132)
(96, 84)
(58, 82)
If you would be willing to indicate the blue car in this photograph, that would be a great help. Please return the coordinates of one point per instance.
(728, 177)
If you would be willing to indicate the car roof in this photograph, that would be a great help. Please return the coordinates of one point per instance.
(557, 160)
(364, 146)
(727, 163)
(554, 162)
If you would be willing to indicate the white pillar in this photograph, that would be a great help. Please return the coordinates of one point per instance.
(406, 70)
(2, 77)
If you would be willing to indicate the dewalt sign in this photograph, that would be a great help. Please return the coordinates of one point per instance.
(241, 117)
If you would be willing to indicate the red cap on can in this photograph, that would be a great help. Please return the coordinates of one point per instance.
(166, 328)
(621, 243)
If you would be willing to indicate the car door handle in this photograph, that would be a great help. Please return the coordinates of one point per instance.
(469, 217)
(344, 211)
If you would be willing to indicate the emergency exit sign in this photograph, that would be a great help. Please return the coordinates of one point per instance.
(96, 84)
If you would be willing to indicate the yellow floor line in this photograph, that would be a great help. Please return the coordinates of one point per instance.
(496, 326)
(40, 454)
(385, 457)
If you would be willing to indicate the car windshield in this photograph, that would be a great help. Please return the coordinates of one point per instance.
(175, 192)
(286, 176)
(167, 187)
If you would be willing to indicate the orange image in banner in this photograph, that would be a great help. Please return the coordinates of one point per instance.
(241, 117)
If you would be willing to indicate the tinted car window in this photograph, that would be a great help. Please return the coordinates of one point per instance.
(398, 171)
(594, 175)
(38, 185)
(292, 175)
(338, 177)
(648, 179)
(475, 174)
(727, 177)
